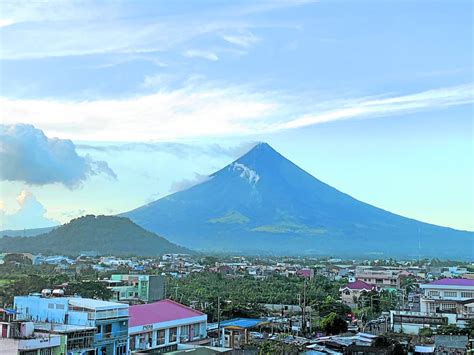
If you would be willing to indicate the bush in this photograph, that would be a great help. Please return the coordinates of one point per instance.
(425, 332)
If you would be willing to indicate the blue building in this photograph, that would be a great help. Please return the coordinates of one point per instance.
(109, 319)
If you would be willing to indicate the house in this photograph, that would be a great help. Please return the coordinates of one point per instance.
(161, 325)
(351, 292)
(20, 337)
(107, 321)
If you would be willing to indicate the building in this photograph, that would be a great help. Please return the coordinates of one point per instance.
(442, 302)
(137, 288)
(20, 337)
(160, 326)
(382, 278)
(352, 291)
(107, 321)
(454, 295)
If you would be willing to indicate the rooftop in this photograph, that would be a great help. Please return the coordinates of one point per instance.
(160, 311)
(94, 304)
(358, 285)
(242, 323)
(453, 282)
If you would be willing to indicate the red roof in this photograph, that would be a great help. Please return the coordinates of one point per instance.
(161, 311)
(359, 285)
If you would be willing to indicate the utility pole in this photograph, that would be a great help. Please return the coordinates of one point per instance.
(304, 308)
(219, 344)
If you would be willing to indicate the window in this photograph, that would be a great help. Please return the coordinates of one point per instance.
(99, 329)
(173, 332)
(433, 293)
(184, 333)
(196, 332)
(59, 306)
(51, 305)
(467, 294)
(450, 294)
(160, 337)
(45, 351)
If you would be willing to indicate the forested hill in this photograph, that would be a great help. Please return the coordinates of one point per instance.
(106, 235)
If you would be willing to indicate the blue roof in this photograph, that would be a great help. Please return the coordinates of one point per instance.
(244, 323)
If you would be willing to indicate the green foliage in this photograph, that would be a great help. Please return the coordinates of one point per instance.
(242, 295)
(90, 289)
(332, 323)
(425, 332)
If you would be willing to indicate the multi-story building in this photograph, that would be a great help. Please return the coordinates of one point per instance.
(452, 295)
(382, 278)
(20, 337)
(161, 325)
(107, 321)
(445, 301)
(137, 288)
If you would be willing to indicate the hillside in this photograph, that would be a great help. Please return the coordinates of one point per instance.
(107, 235)
(25, 232)
(263, 203)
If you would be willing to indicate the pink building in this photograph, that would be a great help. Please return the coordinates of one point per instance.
(163, 325)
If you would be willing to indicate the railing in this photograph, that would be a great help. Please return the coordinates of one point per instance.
(112, 335)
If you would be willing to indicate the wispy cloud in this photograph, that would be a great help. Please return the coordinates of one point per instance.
(426, 100)
(76, 28)
(243, 38)
(195, 53)
(200, 111)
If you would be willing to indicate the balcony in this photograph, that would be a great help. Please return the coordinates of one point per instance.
(105, 337)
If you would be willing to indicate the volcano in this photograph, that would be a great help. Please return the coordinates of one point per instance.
(262, 203)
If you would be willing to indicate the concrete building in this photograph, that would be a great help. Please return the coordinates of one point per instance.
(382, 278)
(107, 320)
(161, 325)
(20, 337)
(137, 288)
(445, 301)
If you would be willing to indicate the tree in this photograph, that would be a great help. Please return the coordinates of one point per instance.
(333, 324)
(90, 289)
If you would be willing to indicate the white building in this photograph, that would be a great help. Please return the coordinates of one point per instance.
(445, 301)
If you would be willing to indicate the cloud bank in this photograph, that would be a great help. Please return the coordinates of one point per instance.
(27, 155)
(31, 214)
(204, 111)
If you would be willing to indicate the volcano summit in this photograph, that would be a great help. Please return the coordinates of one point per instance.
(263, 203)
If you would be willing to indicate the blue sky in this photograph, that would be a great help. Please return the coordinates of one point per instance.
(372, 97)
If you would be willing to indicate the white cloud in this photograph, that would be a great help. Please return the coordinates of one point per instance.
(27, 155)
(426, 100)
(243, 38)
(193, 112)
(181, 113)
(187, 183)
(195, 53)
(4, 22)
(30, 214)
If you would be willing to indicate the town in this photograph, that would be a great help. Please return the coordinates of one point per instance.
(177, 303)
